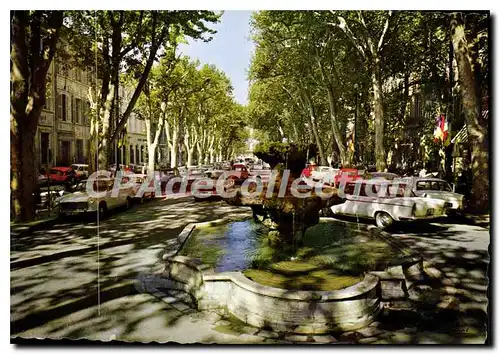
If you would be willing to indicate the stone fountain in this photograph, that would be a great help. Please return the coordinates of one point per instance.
(286, 216)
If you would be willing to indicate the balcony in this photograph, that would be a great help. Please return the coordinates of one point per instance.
(65, 126)
(46, 120)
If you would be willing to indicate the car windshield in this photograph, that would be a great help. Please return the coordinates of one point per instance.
(433, 186)
(102, 186)
(55, 172)
(80, 187)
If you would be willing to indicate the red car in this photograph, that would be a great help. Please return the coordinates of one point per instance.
(350, 174)
(242, 170)
(307, 172)
(62, 174)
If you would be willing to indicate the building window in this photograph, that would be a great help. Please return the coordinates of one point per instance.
(86, 112)
(62, 107)
(44, 147)
(78, 75)
(132, 154)
(79, 150)
(78, 111)
(64, 153)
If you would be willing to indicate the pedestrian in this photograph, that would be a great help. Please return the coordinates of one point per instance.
(423, 172)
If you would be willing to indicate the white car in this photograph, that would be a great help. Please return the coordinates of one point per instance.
(81, 202)
(438, 189)
(324, 174)
(81, 170)
(386, 202)
(137, 180)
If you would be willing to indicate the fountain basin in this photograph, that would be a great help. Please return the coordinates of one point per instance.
(227, 291)
(313, 312)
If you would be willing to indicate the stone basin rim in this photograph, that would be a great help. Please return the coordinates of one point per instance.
(368, 283)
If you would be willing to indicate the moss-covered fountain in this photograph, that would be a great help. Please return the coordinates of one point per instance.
(277, 266)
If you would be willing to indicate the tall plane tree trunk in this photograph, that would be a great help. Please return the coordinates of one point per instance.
(190, 144)
(173, 149)
(104, 145)
(477, 134)
(314, 129)
(34, 37)
(345, 155)
(378, 110)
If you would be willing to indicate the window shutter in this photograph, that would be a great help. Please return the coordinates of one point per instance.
(59, 107)
(64, 114)
(73, 110)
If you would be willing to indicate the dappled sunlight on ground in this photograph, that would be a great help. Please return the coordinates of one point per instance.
(131, 243)
(57, 297)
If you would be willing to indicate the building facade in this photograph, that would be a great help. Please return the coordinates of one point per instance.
(63, 130)
(64, 127)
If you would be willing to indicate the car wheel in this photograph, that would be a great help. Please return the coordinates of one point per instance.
(383, 220)
(103, 210)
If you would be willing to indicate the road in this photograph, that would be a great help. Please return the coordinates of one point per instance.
(56, 282)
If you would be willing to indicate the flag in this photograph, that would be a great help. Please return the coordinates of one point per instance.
(441, 131)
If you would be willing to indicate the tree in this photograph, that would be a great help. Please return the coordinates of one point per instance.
(477, 132)
(129, 41)
(369, 36)
(152, 105)
(280, 56)
(34, 35)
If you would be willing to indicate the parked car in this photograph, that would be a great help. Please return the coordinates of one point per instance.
(208, 193)
(438, 189)
(136, 168)
(325, 174)
(42, 179)
(242, 171)
(262, 175)
(62, 175)
(81, 170)
(48, 196)
(308, 170)
(80, 202)
(392, 202)
(384, 175)
(350, 174)
(166, 175)
(137, 180)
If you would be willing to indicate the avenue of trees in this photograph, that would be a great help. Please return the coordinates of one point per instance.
(366, 86)
(362, 86)
(133, 50)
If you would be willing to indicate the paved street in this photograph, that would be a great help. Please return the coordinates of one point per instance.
(54, 279)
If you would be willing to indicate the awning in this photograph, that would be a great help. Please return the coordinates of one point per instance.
(462, 135)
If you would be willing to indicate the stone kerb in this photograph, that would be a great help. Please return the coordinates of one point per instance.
(396, 279)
